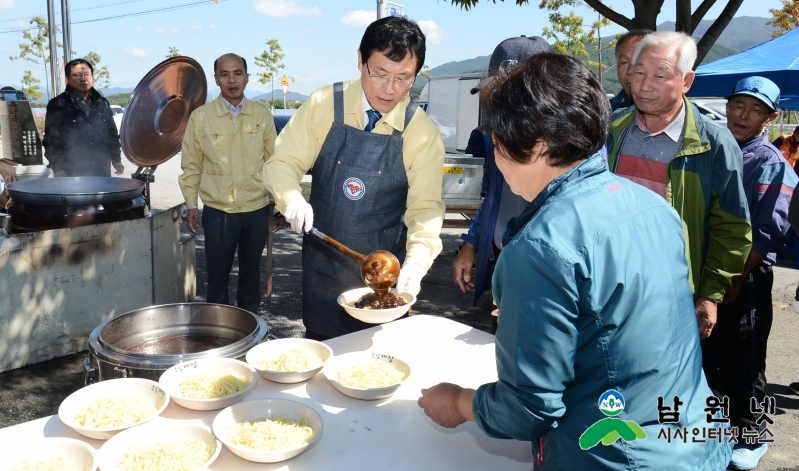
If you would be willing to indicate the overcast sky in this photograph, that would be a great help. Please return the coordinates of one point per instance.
(320, 38)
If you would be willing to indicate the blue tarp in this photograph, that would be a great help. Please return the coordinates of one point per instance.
(777, 60)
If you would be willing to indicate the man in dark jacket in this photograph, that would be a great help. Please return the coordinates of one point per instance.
(625, 49)
(80, 137)
(483, 241)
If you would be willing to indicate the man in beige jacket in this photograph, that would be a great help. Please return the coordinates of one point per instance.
(226, 144)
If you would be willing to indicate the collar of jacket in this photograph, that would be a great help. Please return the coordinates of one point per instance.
(591, 166)
(692, 134)
(750, 146)
(352, 105)
(94, 95)
(221, 110)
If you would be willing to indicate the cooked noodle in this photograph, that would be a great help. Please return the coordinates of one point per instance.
(271, 433)
(57, 464)
(113, 412)
(176, 455)
(291, 360)
(211, 385)
(370, 375)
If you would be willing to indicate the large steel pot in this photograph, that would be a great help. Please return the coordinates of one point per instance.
(66, 191)
(146, 342)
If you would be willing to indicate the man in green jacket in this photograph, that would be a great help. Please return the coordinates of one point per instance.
(666, 145)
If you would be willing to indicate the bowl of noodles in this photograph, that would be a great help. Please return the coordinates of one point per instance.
(209, 383)
(268, 430)
(366, 375)
(289, 360)
(52, 453)
(370, 315)
(101, 410)
(160, 445)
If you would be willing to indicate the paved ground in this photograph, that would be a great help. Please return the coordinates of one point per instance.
(37, 390)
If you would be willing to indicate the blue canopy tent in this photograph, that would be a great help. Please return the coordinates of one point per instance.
(777, 60)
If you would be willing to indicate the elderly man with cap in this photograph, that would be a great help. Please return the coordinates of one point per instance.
(734, 356)
(666, 145)
(625, 49)
(483, 241)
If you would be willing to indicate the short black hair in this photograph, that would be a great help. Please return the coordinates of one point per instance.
(633, 33)
(69, 65)
(243, 61)
(395, 37)
(551, 97)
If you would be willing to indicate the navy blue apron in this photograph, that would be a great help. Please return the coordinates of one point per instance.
(358, 196)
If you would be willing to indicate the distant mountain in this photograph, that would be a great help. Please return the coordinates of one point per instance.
(290, 96)
(741, 34)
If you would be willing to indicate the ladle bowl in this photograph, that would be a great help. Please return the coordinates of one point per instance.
(379, 270)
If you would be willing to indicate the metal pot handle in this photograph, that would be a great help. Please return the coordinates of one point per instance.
(89, 372)
(120, 372)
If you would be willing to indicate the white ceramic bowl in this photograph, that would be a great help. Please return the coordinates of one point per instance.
(340, 362)
(374, 316)
(172, 378)
(76, 454)
(250, 410)
(78, 401)
(163, 430)
(273, 348)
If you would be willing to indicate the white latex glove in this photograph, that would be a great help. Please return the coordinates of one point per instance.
(299, 215)
(410, 278)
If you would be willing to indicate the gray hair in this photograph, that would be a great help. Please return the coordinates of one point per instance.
(682, 45)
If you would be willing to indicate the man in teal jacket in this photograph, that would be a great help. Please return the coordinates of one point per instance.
(666, 145)
(598, 357)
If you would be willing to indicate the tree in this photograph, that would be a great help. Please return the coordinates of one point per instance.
(173, 52)
(102, 75)
(785, 19)
(270, 60)
(646, 14)
(32, 84)
(37, 48)
(423, 72)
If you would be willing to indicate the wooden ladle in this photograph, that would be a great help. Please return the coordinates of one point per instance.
(379, 270)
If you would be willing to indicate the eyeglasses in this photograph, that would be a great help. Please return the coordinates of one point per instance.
(80, 76)
(381, 80)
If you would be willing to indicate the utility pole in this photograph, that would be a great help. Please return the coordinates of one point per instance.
(66, 30)
(51, 33)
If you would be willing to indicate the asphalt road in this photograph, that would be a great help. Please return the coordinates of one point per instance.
(37, 390)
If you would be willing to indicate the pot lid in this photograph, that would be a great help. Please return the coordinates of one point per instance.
(155, 119)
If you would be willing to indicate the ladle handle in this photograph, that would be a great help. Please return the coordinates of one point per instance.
(360, 258)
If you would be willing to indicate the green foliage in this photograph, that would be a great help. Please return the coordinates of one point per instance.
(173, 52)
(278, 104)
(36, 49)
(270, 60)
(785, 18)
(102, 76)
(32, 83)
(121, 99)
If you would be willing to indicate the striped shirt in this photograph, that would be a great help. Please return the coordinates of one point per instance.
(645, 156)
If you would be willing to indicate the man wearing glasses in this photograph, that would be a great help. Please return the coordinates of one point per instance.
(80, 136)
(377, 173)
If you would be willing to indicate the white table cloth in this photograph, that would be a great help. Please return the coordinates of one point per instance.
(391, 433)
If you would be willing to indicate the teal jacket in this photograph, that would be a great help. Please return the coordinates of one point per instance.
(704, 184)
(592, 290)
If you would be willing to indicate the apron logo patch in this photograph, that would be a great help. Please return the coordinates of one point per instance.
(354, 188)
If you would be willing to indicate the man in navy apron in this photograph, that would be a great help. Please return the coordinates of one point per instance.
(377, 173)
